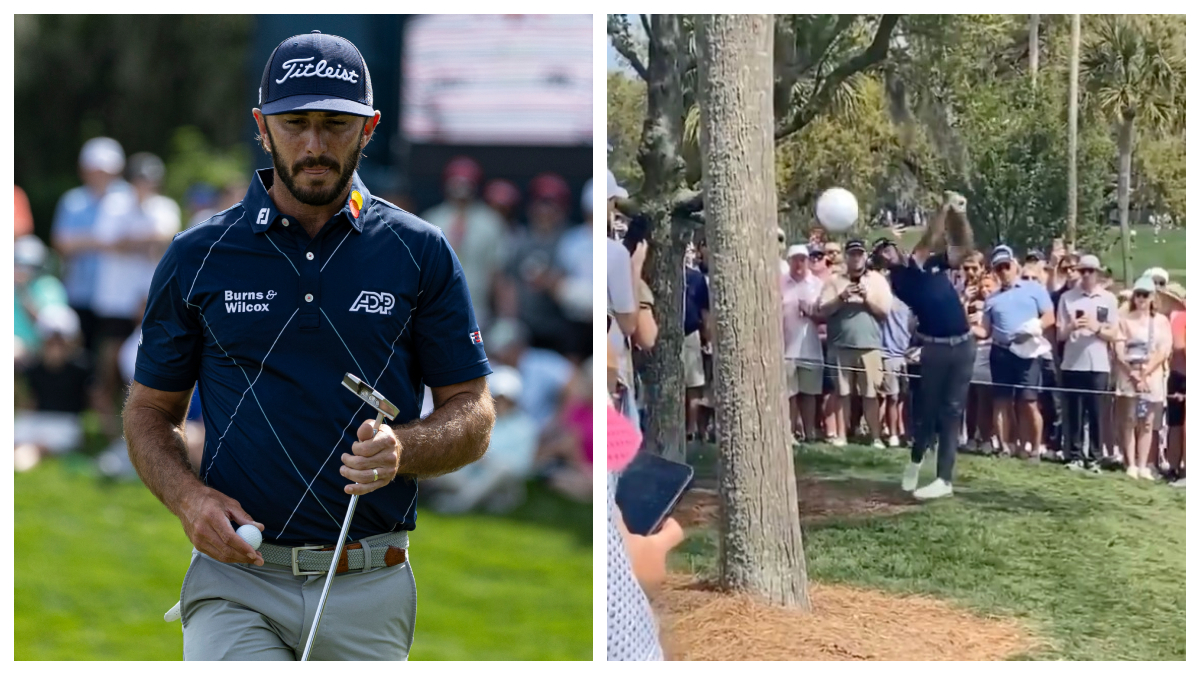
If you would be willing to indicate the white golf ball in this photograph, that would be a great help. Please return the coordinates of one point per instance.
(251, 534)
(837, 209)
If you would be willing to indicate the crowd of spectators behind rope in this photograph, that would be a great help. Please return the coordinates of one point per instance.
(1089, 374)
(79, 304)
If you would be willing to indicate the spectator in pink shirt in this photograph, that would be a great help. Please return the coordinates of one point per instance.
(802, 357)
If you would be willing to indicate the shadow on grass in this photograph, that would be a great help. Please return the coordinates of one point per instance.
(1015, 501)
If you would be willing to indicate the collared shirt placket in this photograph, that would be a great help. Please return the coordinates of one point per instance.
(307, 260)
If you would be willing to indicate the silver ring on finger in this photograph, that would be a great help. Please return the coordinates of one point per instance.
(376, 473)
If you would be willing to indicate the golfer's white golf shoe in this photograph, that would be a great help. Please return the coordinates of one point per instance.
(938, 488)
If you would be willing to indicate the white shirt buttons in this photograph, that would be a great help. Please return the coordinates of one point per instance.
(308, 297)
(285, 222)
(309, 255)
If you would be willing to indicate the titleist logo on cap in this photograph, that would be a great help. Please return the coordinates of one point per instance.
(303, 68)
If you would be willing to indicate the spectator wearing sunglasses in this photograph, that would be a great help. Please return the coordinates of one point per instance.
(1087, 317)
(1015, 317)
(1143, 346)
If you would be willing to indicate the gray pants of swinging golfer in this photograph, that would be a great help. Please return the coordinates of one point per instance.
(239, 612)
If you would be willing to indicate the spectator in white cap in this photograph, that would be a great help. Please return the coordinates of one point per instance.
(1087, 324)
(497, 481)
(802, 357)
(58, 384)
(623, 271)
(135, 227)
(1159, 276)
(101, 162)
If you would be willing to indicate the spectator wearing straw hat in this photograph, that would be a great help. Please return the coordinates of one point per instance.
(1087, 324)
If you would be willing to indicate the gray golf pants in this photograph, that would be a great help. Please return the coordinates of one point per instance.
(237, 612)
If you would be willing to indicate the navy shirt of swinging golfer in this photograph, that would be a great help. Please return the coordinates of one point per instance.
(269, 321)
(930, 294)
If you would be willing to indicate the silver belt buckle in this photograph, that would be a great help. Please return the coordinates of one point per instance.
(296, 561)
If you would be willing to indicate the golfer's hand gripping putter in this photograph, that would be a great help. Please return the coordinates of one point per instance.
(385, 409)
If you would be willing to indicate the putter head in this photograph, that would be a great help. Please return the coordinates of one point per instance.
(373, 398)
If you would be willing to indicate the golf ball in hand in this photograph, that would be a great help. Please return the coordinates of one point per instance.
(251, 534)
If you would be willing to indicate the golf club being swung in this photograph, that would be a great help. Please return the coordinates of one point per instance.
(386, 409)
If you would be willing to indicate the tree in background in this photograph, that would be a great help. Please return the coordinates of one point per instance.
(761, 545)
(1134, 74)
(133, 77)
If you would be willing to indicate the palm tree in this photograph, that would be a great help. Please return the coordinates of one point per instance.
(1134, 75)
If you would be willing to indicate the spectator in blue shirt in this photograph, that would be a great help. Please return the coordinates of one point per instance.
(101, 161)
(1014, 317)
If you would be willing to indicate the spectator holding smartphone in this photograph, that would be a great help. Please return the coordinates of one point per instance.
(637, 566)
(1087, 317)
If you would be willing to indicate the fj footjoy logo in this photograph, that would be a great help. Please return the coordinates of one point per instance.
(263, 215)
(303, 68)
(243, 301)
(374, 303)
(476, 338)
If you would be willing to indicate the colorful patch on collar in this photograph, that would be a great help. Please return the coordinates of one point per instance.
(355, 203)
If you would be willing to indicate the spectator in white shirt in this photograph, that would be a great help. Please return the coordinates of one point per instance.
(803, 360)
(135, 227)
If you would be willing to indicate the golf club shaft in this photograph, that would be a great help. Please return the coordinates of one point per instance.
(337, 555)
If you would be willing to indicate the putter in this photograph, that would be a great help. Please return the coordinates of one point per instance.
(386, 409)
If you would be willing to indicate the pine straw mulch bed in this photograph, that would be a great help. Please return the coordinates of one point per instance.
(700, 623)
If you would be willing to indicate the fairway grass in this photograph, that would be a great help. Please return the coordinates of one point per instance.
(97, 564)
(1093, 565)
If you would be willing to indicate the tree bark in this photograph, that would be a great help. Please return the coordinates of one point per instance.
(664, 168)
(761, 550)
(1034, 47)
(1073, 138)
(1124, 162)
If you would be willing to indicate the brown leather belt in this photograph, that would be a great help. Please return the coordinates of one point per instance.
(385, 550)
(394, 556)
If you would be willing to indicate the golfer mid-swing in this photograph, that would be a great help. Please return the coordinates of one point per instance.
(267, 305)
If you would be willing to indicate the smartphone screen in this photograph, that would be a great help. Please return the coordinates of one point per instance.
(1079, 314)
(1102, 314)
(649, 490)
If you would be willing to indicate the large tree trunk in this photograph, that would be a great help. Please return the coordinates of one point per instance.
(761, 549)
(1073, 138)
(1124, 162)
(664, 168)
(1034, 47)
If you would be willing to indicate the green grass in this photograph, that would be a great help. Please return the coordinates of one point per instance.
(1094, 565)
(97, 564)
(1169, 253)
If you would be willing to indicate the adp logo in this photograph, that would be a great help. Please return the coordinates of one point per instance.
(374, 303)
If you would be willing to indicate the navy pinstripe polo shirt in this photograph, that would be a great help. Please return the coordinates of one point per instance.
(267, 321)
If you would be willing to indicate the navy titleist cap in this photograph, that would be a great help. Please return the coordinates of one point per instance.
(316, 72)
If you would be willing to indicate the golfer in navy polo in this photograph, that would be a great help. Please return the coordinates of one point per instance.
(266, 306)
(942, 331)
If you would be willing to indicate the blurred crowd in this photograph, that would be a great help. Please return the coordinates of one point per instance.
(80, 300)
(1090, 374)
